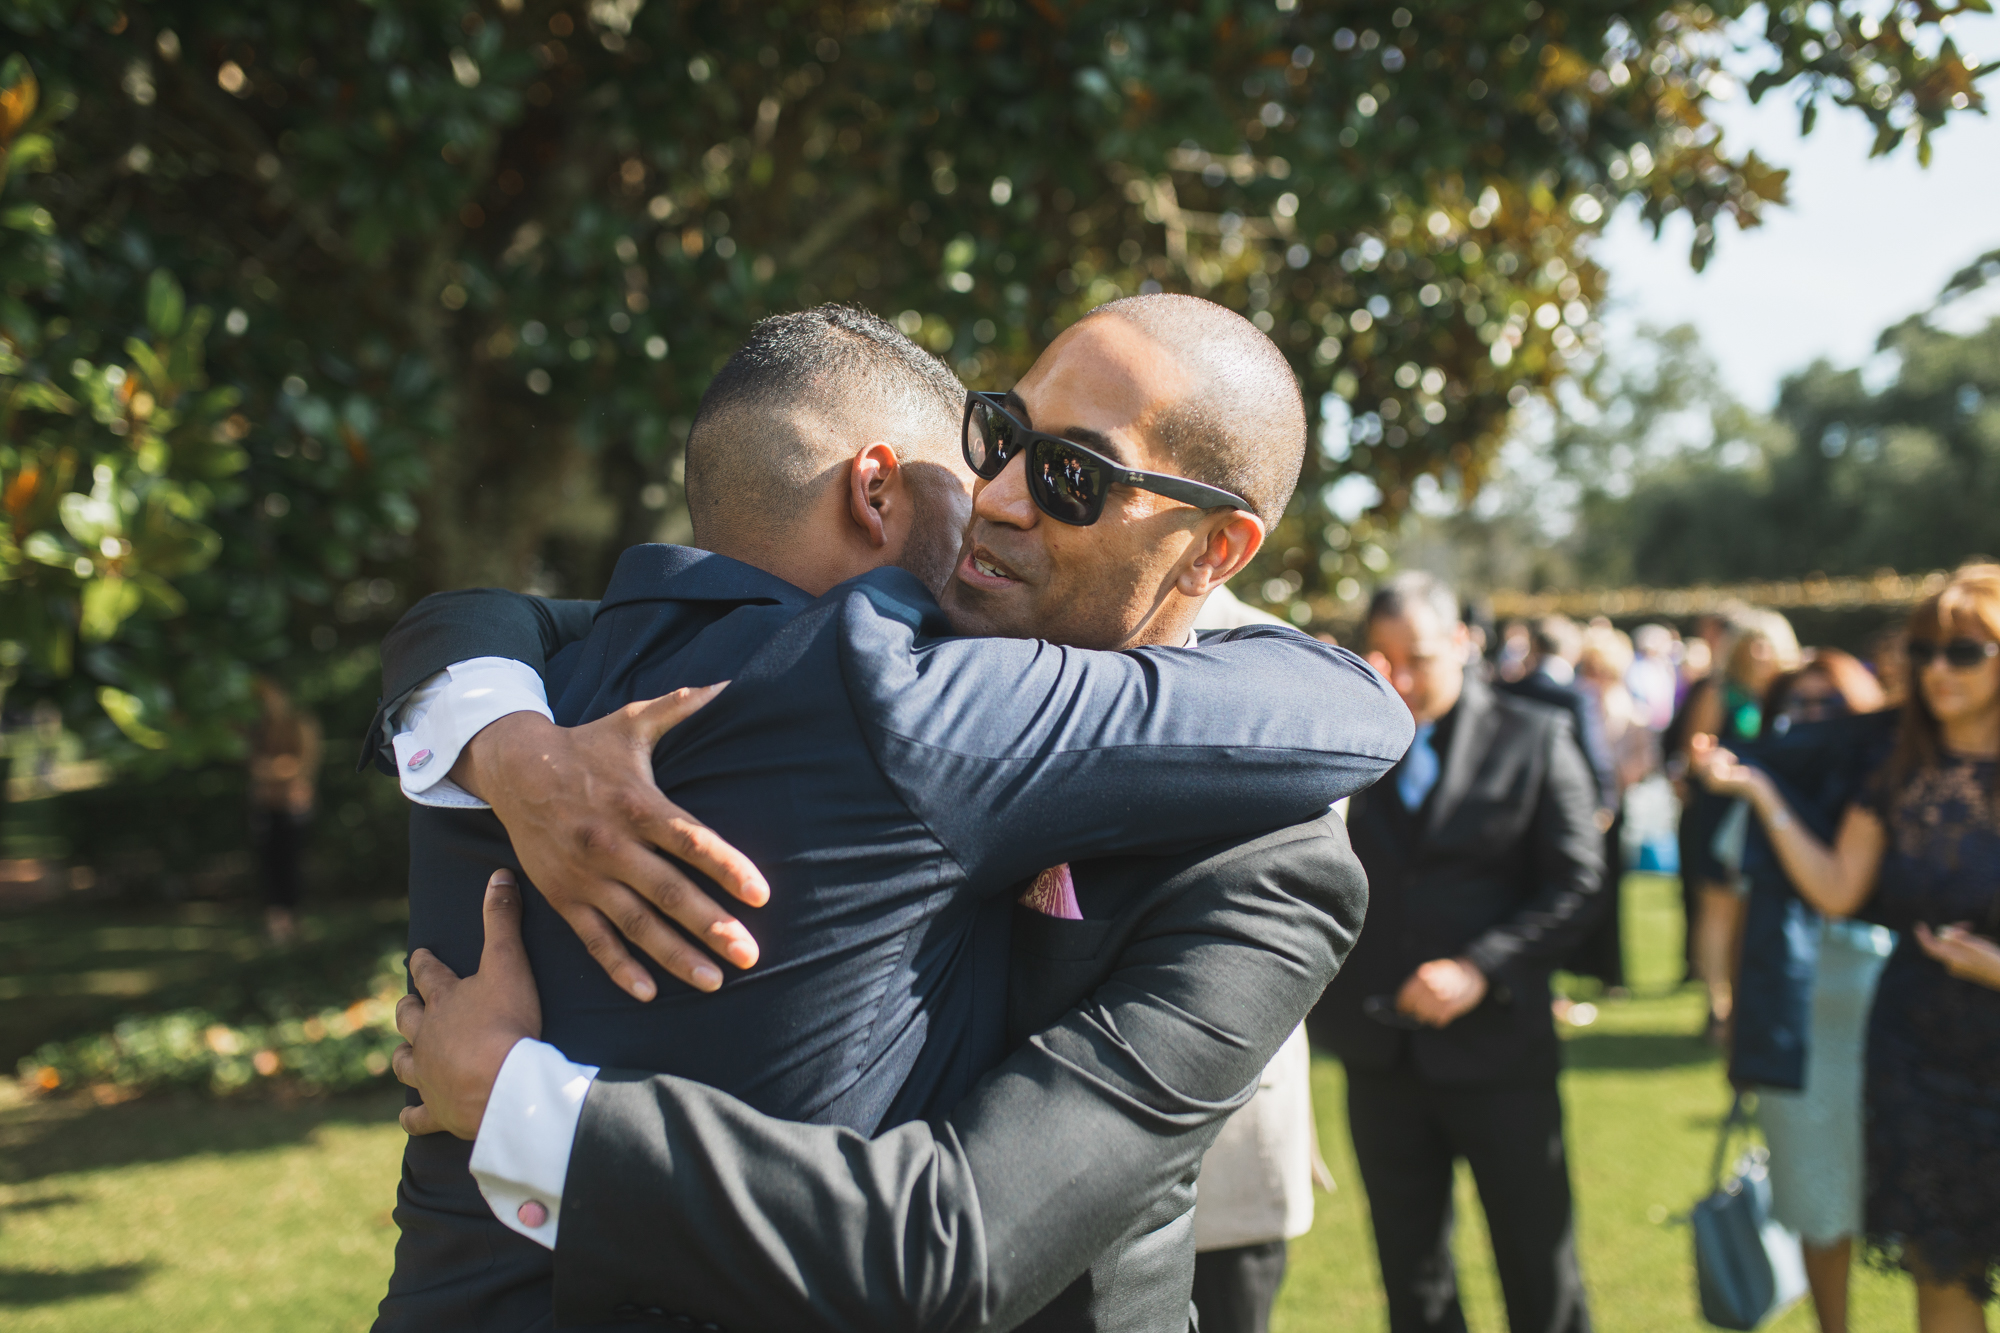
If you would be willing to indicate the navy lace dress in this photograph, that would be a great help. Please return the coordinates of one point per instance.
(1933, 1082)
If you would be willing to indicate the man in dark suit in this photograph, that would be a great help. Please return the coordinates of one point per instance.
(1483, 860)
(1556, 645)
(969, 744)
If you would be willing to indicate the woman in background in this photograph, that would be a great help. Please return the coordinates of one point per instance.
(1921, 854)
(1811, 1108)
(284, 765)
(1601, 667)
(1726, 711)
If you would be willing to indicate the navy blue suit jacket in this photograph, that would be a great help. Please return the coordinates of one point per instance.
(1586, 727)
(896, 786)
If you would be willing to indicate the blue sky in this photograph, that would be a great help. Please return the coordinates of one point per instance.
(1862, 244)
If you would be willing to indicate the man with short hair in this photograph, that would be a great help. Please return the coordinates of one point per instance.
(1555, 644)
(1484, 864)
(939, 715)
(1556, 647)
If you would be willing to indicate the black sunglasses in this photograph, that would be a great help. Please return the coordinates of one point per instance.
(1068, 482)
(1959, 654)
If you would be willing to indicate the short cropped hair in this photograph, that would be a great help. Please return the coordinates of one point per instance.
(1414, 588)
(1241, 425)
(793, 403)
(1556, 636)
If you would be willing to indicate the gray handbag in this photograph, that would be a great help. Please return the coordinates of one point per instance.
(1748, 1269)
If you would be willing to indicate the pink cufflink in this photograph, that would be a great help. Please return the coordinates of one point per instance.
(532, 1213)
(418, 760)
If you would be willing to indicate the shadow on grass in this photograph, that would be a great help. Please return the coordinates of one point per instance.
(41, 1205)
(21, 1288)
(47, 1139)
(74, 969)
(1636, 1050)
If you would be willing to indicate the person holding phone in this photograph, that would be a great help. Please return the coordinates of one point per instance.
(1920, 853)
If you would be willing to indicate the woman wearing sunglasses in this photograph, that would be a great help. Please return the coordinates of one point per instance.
(1921, 854)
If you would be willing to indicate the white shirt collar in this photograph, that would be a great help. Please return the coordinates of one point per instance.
(1556, 669)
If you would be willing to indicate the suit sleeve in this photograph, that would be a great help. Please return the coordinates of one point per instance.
(1021, 754)
(1568, 860)
(448, 627)
(681, 1199)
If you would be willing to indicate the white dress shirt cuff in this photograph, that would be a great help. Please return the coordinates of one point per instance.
(521, 1156)
(447, 711)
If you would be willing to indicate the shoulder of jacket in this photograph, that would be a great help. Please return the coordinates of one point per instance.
(1310, 850)
(1528, 713)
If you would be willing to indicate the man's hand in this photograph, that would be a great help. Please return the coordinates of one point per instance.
(458, 1034)
(1967, 956)
(589, 825)
(1442, 991)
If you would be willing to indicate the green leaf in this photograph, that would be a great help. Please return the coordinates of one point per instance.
(90, 518)
(46, 548)
(29, 218)
(160, 595)
(165, 305)
(148, 361)
(107, 602)
(128, 714)
(41, 396)
(32, 152)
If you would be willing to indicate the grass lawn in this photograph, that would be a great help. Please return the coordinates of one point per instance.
(194, 1216)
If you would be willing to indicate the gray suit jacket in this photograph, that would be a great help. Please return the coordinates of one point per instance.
(1056, 1196)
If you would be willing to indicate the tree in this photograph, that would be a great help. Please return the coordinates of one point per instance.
(1560, 512)
(1851, 480)
(474, 262)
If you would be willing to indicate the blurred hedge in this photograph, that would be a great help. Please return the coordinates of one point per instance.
(330, 1049)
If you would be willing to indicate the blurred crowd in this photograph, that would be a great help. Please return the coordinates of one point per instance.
(1834, 821)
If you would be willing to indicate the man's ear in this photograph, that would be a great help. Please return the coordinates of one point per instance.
(1225, 548)
(875, 493)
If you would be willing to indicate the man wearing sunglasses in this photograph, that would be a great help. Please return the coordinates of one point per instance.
(1203, 960)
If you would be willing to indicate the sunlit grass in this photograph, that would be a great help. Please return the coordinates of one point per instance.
(197, 1217)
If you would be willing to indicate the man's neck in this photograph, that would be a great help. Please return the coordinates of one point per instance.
(1172, 626)
(806, 567)
(1449, 706)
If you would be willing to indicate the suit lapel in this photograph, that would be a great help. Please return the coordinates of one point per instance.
(1471, 731)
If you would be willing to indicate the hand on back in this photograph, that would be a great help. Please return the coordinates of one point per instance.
(457, 1031)
(595, 834)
